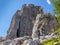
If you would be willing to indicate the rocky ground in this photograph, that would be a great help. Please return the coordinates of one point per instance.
(27, 40)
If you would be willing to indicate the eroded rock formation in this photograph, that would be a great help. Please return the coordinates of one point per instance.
(31, 18)
(29, 25)
(23, 21)
(44, 25)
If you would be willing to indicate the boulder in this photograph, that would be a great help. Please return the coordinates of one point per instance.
(31, 42)
(7, 42)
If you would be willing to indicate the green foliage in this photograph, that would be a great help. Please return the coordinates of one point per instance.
(58, 18)
(47, 15)
(56, 4)
(38, 12)
(56, 40)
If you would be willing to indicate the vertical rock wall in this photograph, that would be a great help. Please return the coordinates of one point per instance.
(22, 22)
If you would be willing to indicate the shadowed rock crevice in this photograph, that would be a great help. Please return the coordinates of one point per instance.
(18, 31)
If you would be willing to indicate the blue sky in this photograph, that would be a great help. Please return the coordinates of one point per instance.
(9, 7)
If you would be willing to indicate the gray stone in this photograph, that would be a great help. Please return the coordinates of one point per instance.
(35, 28)
(7, 42)
(44, 25)
(31, 21)
(22, 22)
(30, 42)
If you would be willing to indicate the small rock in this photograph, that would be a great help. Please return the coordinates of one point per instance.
(31, 42)
(7, 42)
(56, 43)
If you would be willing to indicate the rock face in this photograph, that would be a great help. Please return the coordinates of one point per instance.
(31, 21)
(44, 25)
(22, 22)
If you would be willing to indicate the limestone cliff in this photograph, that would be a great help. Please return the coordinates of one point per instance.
(44, 25)
(22, 21)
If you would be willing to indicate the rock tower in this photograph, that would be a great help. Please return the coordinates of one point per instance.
(23, 21)
(27, 22)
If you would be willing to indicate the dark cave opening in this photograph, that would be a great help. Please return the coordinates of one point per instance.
(18, 31)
